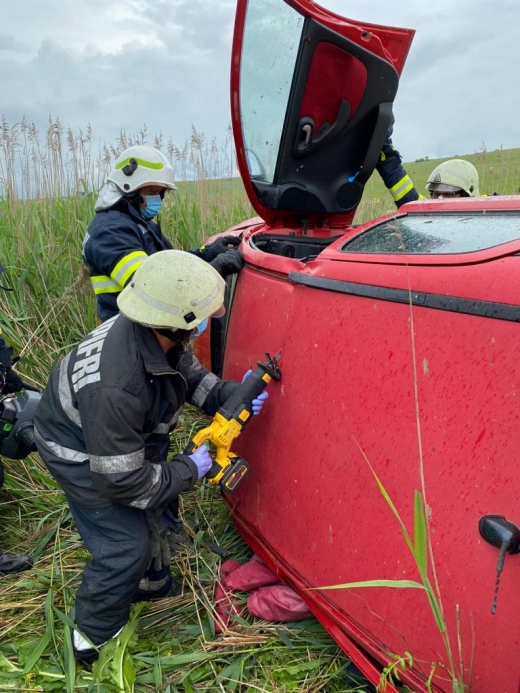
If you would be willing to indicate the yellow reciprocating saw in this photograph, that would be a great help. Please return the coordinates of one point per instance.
(229, 469)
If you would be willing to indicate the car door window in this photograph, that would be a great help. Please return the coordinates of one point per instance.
(271, 39)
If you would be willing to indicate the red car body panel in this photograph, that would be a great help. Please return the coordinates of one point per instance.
(399, 363)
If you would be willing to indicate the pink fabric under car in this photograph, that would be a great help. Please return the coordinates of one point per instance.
(270, 599)
(228, 567)
(278, 603)
(227, 605)
(250, 576)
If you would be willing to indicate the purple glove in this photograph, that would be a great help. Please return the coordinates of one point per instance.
(258, 402)
(202, 460)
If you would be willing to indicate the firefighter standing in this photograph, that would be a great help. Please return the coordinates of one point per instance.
(103, 424)
(123, 232)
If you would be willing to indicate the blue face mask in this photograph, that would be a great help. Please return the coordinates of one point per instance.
(153, 206)
(200, 328)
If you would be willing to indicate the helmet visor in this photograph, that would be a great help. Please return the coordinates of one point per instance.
(442, 188)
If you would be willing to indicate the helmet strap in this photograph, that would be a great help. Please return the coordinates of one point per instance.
(176, 336)
(133, 199)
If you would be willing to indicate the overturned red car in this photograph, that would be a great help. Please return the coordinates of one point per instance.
(385, 459)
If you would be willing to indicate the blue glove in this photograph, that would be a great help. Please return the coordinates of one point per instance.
(202, 460)
(258, 402)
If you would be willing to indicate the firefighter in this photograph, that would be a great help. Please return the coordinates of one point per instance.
(453, 178)
(101, 429)
(125, 231)
(10, 383)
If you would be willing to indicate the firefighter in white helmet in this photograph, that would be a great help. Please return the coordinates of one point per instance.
(453, 178)
(103, 425)
(124, 230)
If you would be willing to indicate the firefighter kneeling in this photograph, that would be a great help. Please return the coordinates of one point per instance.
(102, 428)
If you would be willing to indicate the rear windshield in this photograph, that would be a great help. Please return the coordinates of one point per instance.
(439, 234)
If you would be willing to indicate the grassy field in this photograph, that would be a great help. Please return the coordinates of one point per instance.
(174, 646)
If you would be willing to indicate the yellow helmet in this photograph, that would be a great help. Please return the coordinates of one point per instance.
(172, 289)
(453, 176)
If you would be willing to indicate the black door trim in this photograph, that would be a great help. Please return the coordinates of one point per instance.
(453, 304)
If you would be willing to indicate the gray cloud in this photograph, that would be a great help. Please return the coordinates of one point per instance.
(165, 63)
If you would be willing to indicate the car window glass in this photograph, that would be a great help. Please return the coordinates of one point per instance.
(440, 234)
(272, 35)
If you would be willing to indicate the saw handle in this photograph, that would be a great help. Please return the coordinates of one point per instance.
(190, 449)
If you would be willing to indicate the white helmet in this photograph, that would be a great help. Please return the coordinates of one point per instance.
(453, 176)
(141, 165)
(172, 289)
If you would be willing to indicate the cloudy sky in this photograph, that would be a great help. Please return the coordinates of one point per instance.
(165, 63)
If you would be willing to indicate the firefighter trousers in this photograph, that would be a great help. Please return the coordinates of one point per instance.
(118, 573)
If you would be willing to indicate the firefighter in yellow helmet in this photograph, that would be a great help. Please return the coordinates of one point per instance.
(453, 178)
(102, 428)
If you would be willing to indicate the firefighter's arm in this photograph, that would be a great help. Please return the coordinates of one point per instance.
(115, 253)
(113, 432)
(205, 389)
(394, 175)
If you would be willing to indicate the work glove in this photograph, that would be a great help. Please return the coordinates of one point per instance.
(258, 402)
(178, 537)
(167, 537)
(221, 245)
(202, 460)
(388, 151)
(159, 544)
(10, 381)
(229, 262)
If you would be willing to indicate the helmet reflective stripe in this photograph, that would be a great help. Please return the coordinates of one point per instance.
(155, 302)
(160, 305)
(127, 266)
(172, 289)
(210, 298)
(401, 188)
(157, 165)
(104, 285)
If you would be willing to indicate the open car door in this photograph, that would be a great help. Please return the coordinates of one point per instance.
(311, 99)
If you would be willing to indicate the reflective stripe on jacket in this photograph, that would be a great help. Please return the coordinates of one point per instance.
(394, 176)
(102, 426)
(116, 243)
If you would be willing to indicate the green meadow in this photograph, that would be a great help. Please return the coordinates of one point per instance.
(170, 646)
